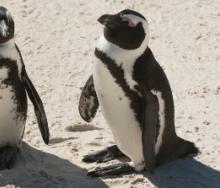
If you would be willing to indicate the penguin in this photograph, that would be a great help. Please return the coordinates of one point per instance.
(135, 98)
(14, 84)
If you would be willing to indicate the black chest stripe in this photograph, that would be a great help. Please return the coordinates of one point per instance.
(118, 73)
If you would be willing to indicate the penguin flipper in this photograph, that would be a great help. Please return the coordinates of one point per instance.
(150, 118)
(38, 106)
(88, 102)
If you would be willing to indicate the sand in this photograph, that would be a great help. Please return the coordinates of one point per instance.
(57, 40)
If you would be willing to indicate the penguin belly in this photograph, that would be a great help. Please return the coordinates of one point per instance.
(12, 121)
(115, 106)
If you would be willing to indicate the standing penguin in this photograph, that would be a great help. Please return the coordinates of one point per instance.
(135, 98)
(14, 83)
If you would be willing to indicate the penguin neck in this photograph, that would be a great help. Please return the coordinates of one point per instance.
(118, 54)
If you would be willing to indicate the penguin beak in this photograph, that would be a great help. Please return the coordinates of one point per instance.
(3, 29)
(110, 21)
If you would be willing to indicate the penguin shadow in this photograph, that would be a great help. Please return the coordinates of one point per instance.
(38, 169)
(185, 173)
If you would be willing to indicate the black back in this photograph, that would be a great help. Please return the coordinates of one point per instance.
(152, 75)
(148, 71)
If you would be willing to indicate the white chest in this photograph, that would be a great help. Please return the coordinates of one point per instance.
(115, 106)
(7, 100)
(114, 102)
(11, 123)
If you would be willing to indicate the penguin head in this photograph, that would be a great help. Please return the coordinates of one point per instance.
(6, 25)
(127, 29)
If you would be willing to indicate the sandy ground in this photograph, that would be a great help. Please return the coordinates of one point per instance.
(57, 40)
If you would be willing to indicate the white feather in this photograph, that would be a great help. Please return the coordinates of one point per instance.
(161, 119)
(3, 28)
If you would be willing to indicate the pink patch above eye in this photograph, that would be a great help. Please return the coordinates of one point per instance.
(127, 19)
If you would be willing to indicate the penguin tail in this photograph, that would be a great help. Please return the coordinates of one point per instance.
(186, 148)
(175, 149)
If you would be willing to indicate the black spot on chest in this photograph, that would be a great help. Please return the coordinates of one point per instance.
(14, 81)
(118, 74)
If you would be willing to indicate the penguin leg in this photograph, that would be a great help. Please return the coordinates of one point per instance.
(112, 170)
(8, 156)
(104, 155)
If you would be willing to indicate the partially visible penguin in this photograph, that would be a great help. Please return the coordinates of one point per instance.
(135, 98)
(14, 83)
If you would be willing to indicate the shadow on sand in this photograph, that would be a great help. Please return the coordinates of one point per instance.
(37, 169)
(185, 173)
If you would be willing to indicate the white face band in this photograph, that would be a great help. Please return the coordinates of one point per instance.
(3, 28)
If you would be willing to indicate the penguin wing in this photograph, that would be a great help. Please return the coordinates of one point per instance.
(38, 106)
(149, 124)
(88, 102)
(36, 101)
